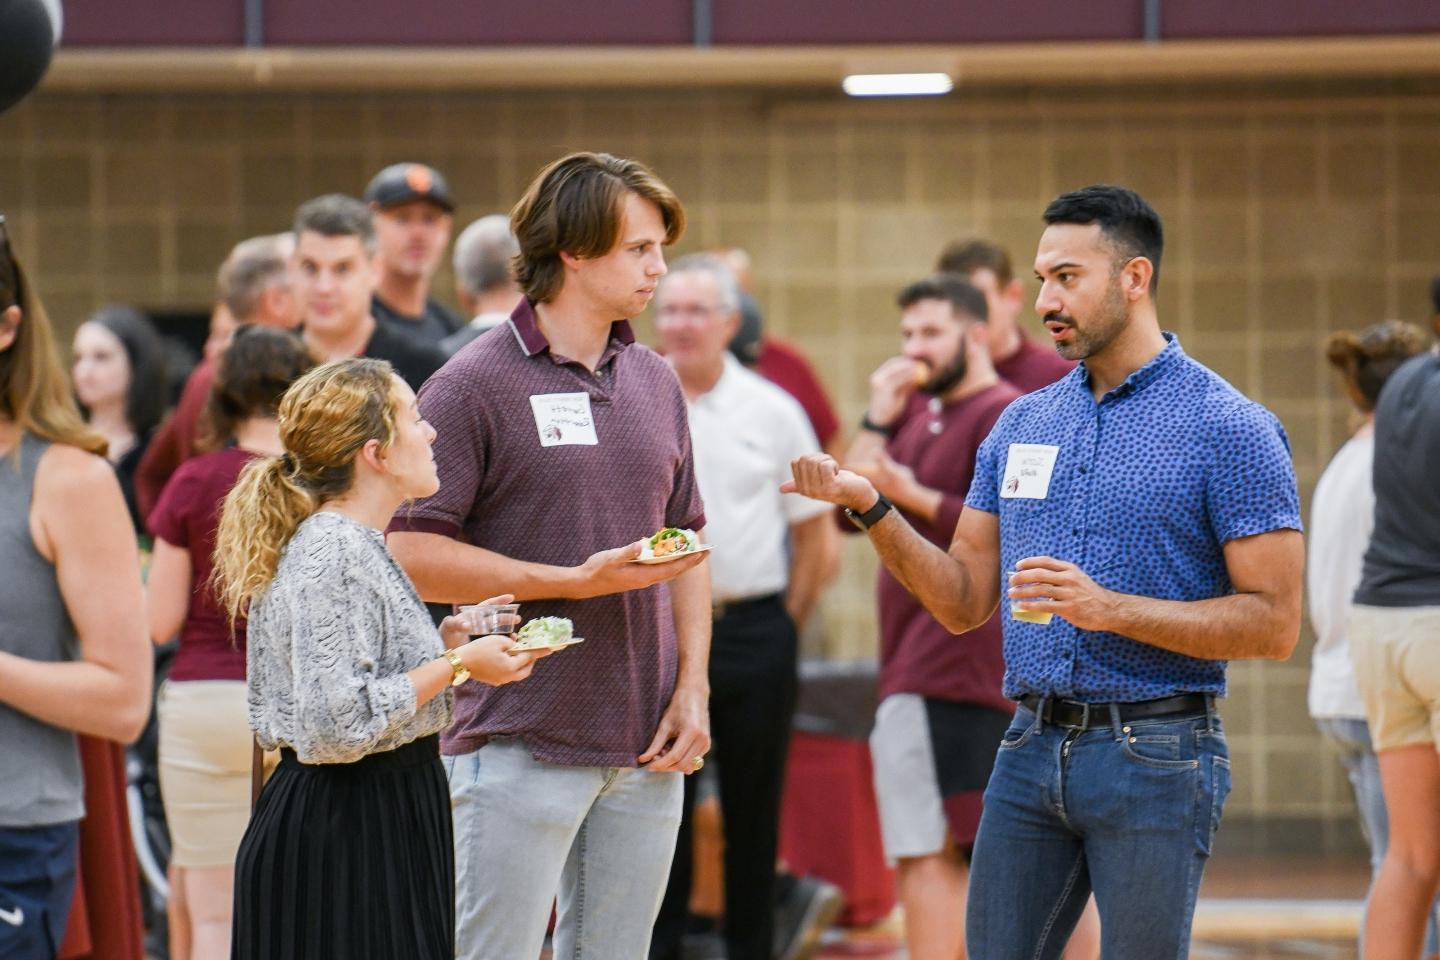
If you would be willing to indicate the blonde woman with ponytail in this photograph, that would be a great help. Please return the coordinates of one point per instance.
(349, 852)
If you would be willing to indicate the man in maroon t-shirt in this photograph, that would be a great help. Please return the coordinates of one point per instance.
(1026, 364)
(561, 443)
(941, 711)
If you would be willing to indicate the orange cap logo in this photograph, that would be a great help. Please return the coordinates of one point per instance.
(418, 178)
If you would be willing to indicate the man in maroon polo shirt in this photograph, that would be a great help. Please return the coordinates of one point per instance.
(561, 444)
(1023, 362)
(941, 712)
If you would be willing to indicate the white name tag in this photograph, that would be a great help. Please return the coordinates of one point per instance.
(564, 419)
(1027, 471)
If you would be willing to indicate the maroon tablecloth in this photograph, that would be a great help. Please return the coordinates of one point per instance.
(830, 826)
(105, 923)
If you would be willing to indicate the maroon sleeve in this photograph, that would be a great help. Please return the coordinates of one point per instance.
(685, 508)
(161, 458)
(458, 415)
(190, 408)
(951, 504)
(170, 520)
(174, 442)
(948, 515)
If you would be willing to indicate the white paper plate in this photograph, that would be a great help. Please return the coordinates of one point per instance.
(559, 646)
(703, 548)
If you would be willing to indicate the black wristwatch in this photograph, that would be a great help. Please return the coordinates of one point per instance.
(872, 516)
(867, 424)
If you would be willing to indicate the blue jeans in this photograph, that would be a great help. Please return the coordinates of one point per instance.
(37, 887)
(1352, 736)
(602, 838)
(1126, 810)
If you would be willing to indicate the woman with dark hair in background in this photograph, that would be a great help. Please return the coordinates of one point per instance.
(205, 740)
(119, 376)
(73, 657)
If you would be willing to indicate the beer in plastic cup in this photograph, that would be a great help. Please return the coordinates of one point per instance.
(1030, 616)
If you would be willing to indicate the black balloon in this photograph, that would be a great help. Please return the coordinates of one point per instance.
(27, 39)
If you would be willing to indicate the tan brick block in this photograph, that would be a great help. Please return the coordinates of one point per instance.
(1016, 169)
(205, 178)
(62, 246)
(1287, 169)
(1218, 167)
(135, 176)
(132, 249)
(61, 181)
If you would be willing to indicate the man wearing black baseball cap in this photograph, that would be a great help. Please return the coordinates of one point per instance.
(412, 207)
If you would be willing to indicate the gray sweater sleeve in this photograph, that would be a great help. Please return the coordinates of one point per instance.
(344, 705)
(328, 674)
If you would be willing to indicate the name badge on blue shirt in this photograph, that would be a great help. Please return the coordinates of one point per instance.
(1028, 469)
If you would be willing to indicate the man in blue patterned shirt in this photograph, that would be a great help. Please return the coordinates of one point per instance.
(1146, 517)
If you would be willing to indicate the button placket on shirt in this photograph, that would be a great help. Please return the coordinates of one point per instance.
(1087, 442)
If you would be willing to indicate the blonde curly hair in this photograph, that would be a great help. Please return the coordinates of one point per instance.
(326, 417)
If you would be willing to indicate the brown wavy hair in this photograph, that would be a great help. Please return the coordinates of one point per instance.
(251, 378)
(577, 205)
(1367, 359)
(326, 417)
(34, 391)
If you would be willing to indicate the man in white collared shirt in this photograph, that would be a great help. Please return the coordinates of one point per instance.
(484, 281)
(773, 553)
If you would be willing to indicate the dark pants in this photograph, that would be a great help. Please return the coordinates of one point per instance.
(37, 887)
(752, 698)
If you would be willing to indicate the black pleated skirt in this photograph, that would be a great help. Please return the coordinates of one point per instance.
(350, 861)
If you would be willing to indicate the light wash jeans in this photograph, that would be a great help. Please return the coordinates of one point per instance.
(1352, 736)
(1126, 810)
(601, 838)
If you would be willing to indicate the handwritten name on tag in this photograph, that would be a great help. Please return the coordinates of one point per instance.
(1028, 469)
(564, 419)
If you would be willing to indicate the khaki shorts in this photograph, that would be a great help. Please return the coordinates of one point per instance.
(205, 754)
(1397, 665)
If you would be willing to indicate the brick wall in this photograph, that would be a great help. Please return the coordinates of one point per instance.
(1290, 212)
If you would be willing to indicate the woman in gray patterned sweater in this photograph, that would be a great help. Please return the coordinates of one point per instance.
(349, 851)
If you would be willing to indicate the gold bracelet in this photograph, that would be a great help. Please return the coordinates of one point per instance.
(459, 673)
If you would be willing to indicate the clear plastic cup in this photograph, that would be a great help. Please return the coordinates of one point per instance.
(1030, 616)
(484, 620)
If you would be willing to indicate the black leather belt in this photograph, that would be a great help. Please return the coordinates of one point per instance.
(721, 609)
(1081, 716)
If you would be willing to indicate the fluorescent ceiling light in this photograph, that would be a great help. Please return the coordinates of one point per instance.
(897, 84)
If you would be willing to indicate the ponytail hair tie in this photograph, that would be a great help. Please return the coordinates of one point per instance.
(288, 462)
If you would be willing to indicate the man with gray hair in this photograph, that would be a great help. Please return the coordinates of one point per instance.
(772, 554)
(484, 284)
(333, 274)
(253, 287)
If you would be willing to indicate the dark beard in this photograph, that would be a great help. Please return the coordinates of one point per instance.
(1108, 323)
(945, 379)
